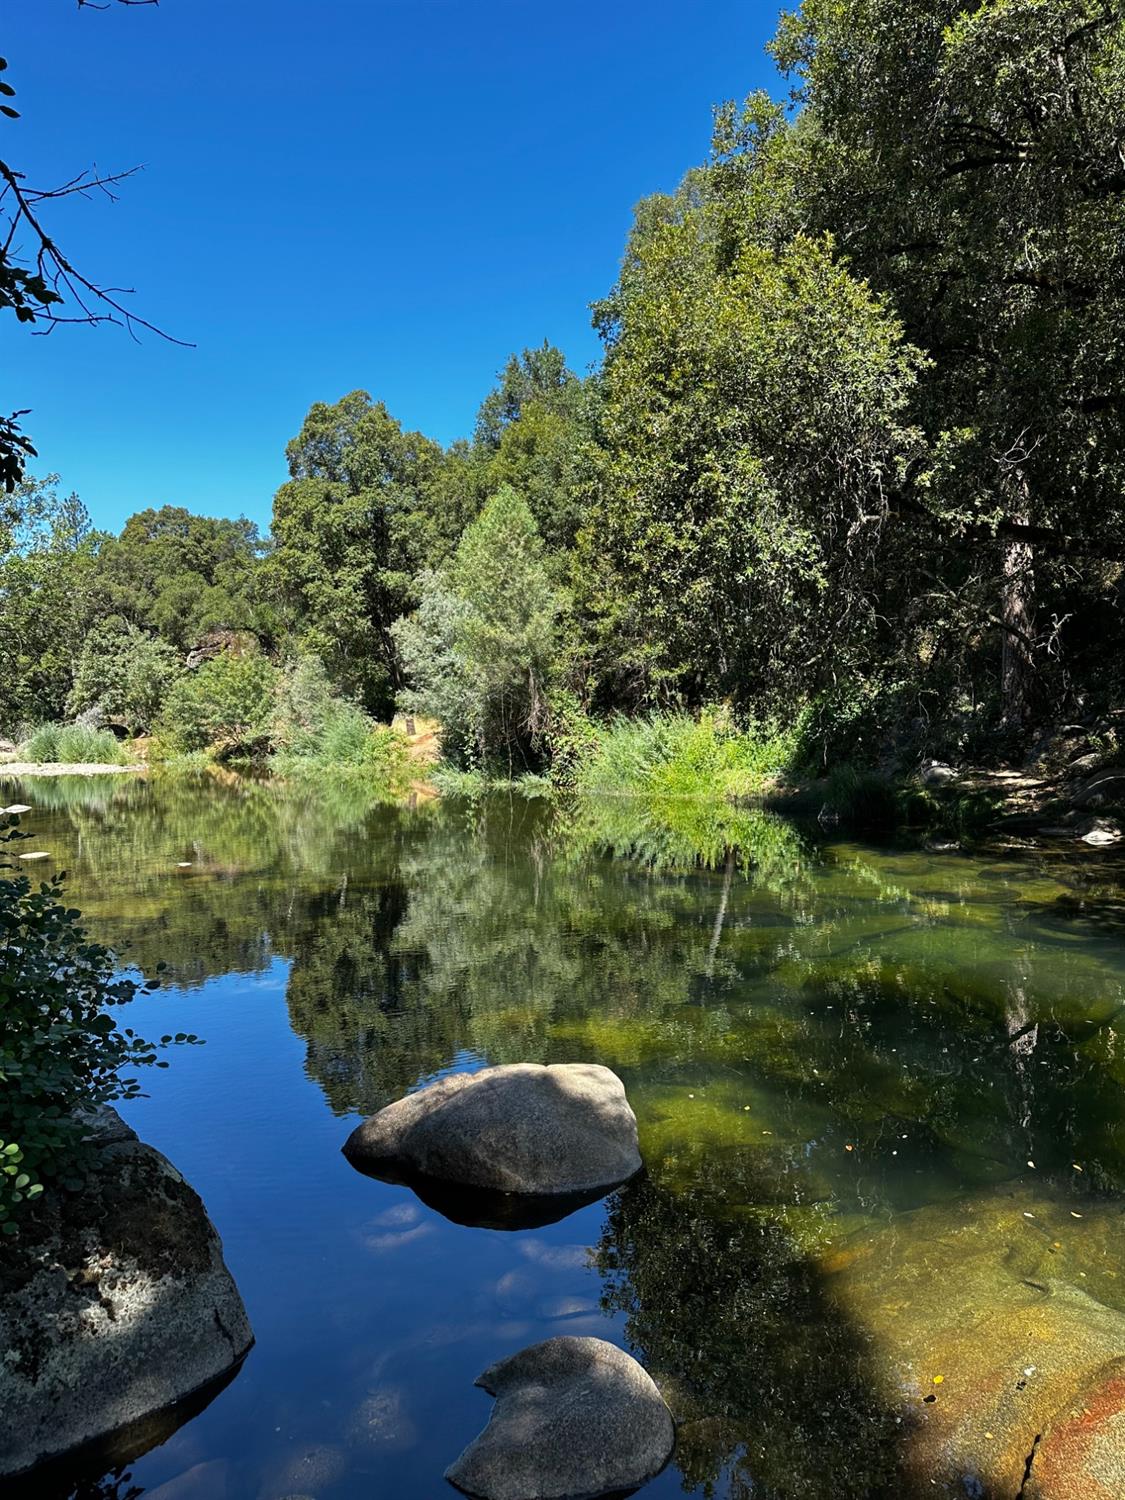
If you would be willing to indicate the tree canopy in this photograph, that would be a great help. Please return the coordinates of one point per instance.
(853, 455)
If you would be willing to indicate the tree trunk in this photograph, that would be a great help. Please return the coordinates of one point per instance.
(1017, 612)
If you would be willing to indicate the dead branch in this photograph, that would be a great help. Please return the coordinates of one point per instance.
(98, 304)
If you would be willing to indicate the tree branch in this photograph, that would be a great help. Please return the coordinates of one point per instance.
(55, 269)
(1046, 538)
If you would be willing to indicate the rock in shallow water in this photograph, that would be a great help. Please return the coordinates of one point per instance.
(522, 1128)
(575, 1418)
(996, 1354)
(1081, 1456)
(113, 1306)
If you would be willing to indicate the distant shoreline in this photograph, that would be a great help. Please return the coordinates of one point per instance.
(61, 768)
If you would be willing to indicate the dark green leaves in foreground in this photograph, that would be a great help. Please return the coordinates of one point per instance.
(61, 1050)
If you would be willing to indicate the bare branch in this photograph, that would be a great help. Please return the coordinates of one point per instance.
(99, 304)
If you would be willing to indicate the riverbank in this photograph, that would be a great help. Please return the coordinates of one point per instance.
(23, 768)
(1071, 786)
(1080, 804)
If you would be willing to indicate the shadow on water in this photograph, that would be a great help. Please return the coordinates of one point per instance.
(483, 1208)
(777, 1393)
(111, 1457)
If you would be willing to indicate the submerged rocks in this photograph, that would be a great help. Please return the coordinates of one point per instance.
(114, 1304)
(521, 1128)
(575, 1418)
(999, 1324)
(1081, 1456)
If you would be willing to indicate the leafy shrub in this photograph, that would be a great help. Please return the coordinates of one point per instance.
(428, 643)
(572, 737)
(386, 756)
(125, 673)
(313, 724)
(74, 744)
(226, 705)
(481, 648)
(346, 736)
(305, 702)
(61, 1052)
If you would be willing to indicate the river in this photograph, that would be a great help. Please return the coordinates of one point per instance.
(843, 1057)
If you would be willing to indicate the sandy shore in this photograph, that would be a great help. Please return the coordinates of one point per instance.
(58, 768)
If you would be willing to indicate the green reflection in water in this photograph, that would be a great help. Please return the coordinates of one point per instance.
(826, 1044)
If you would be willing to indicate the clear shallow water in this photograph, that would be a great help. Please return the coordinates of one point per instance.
(835, 1053)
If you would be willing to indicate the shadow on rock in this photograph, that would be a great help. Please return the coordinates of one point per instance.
(779, 1388)
(71, 1477)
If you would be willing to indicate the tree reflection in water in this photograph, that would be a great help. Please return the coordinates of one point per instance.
(773, 1388)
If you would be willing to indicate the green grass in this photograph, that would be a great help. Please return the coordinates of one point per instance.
(161, 754)
(74, 744)
(349, 743)
(674, 755)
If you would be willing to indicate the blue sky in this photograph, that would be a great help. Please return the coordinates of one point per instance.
(391, 194)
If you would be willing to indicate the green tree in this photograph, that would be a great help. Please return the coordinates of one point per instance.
(124, 673)
(969, 161)
(227, 705)
(481, 649)
(358, 518)
(538, 376)
(182, 575)
(755, 428)
(47, 598)
(533, 432)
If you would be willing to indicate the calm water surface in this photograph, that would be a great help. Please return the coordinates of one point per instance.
(825, 1043)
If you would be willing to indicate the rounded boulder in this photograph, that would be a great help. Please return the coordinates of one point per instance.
(521, 1128)
(575, 1418)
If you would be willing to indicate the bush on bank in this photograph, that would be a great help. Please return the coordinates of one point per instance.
(677, 755)
(74, 744)
(62, 1051)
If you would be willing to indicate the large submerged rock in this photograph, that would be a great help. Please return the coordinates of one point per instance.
(1081, 1456)
(115, 1307)
(522, 1128)
(575, 1418)
(1001, 1325)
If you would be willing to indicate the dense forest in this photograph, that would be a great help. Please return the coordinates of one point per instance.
(852, 463)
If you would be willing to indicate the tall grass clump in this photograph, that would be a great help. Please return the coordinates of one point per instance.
(74, 744)
(674, 755)
(315, 728)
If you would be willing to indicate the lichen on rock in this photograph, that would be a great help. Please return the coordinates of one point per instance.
(115, 1303)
